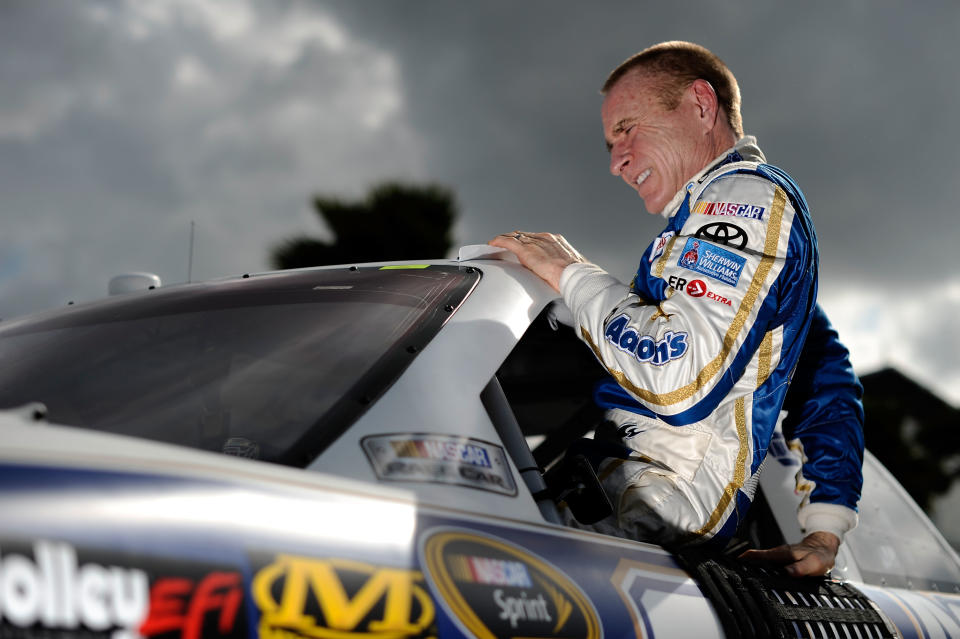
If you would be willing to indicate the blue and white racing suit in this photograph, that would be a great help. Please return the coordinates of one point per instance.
(701, 348)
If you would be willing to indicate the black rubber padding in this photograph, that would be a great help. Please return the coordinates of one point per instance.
(754, 600)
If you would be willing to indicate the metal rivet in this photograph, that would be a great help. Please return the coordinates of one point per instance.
(354, 268)
(246, 275)
(448, 308)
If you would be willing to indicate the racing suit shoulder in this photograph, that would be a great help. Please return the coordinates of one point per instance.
(737, 261)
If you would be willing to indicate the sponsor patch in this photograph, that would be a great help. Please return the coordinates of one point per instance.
(711, 260)
(697, 288)
(646, 348)
(492, 572)
(538, 601)
(629, 431)
(209, 605)
(52, 589)
(48, 586)
(338, 598)
(722, 233)
(656, 250)
(732, 209)
(444, 459)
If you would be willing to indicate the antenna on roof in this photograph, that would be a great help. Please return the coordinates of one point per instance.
(190, 256)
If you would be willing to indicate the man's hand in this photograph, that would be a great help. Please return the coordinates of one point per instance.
(545, 254)
(812, 556)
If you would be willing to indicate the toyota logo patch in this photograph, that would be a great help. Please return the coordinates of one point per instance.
(723, 233)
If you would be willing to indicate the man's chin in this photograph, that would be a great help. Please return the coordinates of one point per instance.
(653, 208)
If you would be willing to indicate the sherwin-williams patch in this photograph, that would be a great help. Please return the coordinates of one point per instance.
(496, 589)
(711, 260)
(443, 459)
(732, 209)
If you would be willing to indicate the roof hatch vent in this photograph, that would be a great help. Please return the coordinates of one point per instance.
(130, 282)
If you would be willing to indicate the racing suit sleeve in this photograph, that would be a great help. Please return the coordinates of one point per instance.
(680, 352)
(704, 339)
(824, 425)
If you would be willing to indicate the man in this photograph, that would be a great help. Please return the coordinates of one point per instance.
(703, 342)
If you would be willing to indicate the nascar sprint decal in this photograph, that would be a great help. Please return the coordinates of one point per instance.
(442, 459)
(339, 598)
(493, 588)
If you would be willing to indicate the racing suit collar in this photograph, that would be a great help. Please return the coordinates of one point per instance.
(745, 149)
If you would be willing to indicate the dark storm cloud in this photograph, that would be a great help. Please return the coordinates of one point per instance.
(121, 121)
(852, 101)
(506, 97)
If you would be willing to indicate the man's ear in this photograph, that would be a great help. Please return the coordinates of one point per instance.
(706, 102)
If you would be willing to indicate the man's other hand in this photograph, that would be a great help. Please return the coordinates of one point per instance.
(812, 556)
(545, 254)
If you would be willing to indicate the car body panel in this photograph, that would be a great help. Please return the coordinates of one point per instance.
(453, 369)
(107, 535)
(190, 524)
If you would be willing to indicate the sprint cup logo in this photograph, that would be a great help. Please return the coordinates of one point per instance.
(338, 599)
(496, 589)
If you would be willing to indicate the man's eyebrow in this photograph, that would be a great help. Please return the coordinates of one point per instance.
(619, 127)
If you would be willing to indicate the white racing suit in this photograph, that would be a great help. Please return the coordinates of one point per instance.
(702, 346)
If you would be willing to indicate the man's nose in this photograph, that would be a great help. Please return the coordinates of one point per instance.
(618, 161)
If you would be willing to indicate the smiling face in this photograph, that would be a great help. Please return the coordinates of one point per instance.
(653, 149)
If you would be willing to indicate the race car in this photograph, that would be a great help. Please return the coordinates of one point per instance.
(360, 451)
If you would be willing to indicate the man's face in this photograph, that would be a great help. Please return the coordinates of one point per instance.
(655, 151)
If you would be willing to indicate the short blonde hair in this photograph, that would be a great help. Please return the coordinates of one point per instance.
(675, 65)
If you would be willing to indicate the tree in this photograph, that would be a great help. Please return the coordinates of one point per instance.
(394, 222)
(913, 432)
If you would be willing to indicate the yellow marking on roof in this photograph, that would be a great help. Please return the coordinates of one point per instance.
(399, 267)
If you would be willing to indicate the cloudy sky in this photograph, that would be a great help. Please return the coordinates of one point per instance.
(123, 121)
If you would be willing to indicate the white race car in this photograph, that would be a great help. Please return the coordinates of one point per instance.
(345, 452)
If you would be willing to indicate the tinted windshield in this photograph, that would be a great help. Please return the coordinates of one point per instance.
(272, 367)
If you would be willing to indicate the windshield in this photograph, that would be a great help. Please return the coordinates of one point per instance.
(272, 367)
